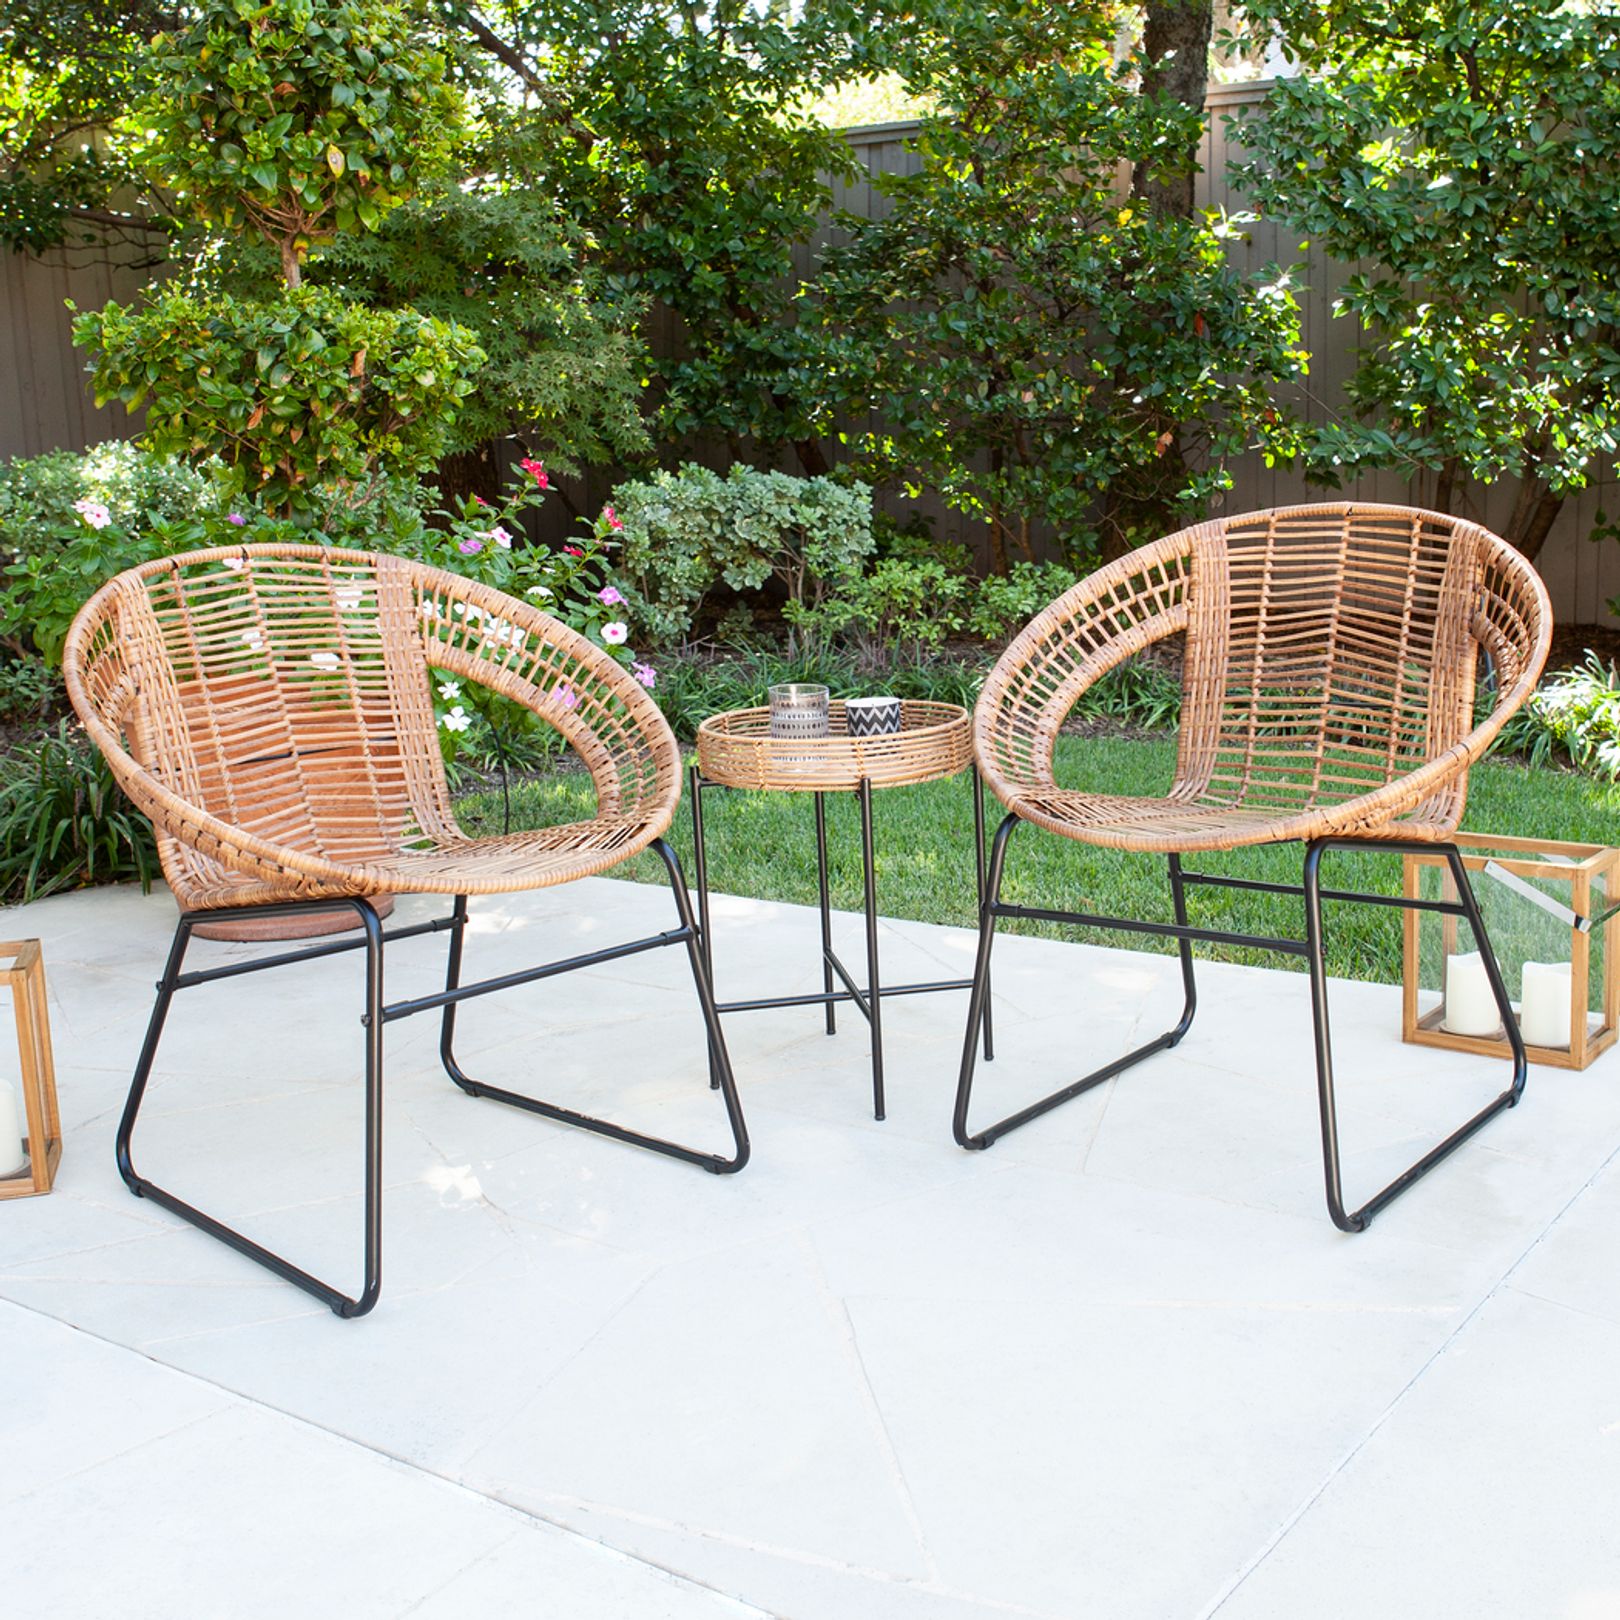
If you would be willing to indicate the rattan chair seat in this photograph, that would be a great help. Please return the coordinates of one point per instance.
(1328, 682)
(270, 709)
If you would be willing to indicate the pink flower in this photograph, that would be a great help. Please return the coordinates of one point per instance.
(478, 500)
(616, 634)
(567, 697)
(471, 546)
(573, 551)
(614, 521)
(609, 596)
(646, 674)
(93, 513)
(236, 518)
(537, 471)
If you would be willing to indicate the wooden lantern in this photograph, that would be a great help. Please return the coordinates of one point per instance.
(25, 975)
(1543, 902)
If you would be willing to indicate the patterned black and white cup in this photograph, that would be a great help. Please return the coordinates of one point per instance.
(872, 716)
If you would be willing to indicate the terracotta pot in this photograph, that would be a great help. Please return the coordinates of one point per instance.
(304, 927)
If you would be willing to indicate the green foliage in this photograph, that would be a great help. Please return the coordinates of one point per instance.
(68, 70)
(64, 821)
(1139, 694)
(294, 394)
(1573, 715)
(1005, 603)
(680, 138)
(903, 608)
(1029, 344)
(686, 532)
(70, 522)
(29, 689)
(295, 118)
(1470, 156)
(563, 355)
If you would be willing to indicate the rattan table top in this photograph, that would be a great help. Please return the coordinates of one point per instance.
(737, 750)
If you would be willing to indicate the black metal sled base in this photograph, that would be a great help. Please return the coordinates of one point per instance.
(376, 1015)
(1310, 947)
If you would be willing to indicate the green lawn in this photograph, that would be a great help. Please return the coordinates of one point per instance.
(763, 844)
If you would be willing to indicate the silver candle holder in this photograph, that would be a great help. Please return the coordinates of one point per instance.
(799, 710)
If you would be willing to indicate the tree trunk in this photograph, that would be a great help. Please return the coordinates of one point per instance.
(1176, 43)
(1535, 507)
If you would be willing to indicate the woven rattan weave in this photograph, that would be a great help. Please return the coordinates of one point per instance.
(269, 708)
(737, 750)
(1328, 682)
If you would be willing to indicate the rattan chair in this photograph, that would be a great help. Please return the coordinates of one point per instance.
(269, 708)
(1328, 696)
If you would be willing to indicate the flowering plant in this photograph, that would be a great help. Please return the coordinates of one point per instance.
(572, 583)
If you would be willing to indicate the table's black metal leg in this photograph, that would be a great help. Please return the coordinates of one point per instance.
(874, 994)
(700, 870)
(825, 895)
(979, 875)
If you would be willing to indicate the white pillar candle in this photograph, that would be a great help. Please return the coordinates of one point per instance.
(1545, 1020)
(12, 1157)
(1470, 1006)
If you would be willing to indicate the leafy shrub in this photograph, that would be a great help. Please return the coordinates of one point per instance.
(64, 821)
(138, 489)
(686, 532)
(29, 689)
(295, 118)
(901, 608)
(1004, 603)
(292, 394)
(1574, 714)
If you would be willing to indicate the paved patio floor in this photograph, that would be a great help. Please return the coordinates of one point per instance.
(1119, 1366)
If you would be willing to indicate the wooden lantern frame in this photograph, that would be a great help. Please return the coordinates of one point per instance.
(1582, 867)
(25, 976)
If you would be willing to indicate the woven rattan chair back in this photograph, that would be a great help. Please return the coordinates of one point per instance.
(284, 693)
(1330, 653)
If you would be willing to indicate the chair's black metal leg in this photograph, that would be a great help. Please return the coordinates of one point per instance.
(711, 1018)
(979, 995)
(979, 881)
(717, 1054)
(976, 1002)
(700, 870)
(874, 991)
(452, 980)
(824, 894)
(1358, 1220)
(1189, 983)
(338, 1301)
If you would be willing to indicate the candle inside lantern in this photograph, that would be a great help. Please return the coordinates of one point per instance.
(12, 1157)
(1470, 1006)
(1545, 1020)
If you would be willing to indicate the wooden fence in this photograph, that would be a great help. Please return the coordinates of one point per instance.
(44, 402)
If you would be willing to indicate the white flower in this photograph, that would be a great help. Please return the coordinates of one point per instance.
(428, 610)
(348, 597)
(544, 592)
(324, 660)
(253, 639)
(449, 689)
(501, 537)
(232, 563)
(457, 720)
(616, 634)
(93, 513)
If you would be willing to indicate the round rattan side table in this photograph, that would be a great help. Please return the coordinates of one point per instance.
(736, 751)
